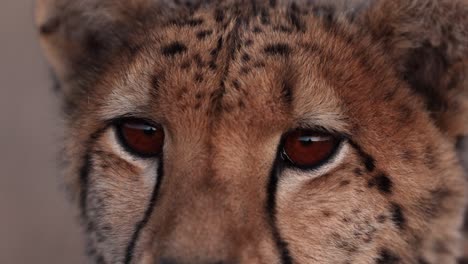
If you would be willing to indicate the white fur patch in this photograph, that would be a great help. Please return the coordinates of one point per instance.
(292, 179)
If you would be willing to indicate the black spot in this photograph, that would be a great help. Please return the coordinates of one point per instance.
(248, 43)
(294, 7)
(193, 22)
(369, 163)
(326, 213)
(382, 182)
(265, 17)
(212, 65)
(245, 70)
(198, 77)
(257, 30)
(282, 49)
(245, 57)
(344, 183)
(387, 257)
(173, 49)
(462, 261)
(272, 3)
(397, 215)
(203, 34)
(219, 15)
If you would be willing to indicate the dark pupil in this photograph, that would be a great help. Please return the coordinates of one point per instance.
(149, 131)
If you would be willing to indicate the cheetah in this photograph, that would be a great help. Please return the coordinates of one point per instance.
(263, 131)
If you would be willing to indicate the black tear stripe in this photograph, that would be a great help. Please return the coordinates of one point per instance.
(368, 160)
(149, 211)
(84, 182)
(271, 212)
(85, 170)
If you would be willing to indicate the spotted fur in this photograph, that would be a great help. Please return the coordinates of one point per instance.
(226, 79)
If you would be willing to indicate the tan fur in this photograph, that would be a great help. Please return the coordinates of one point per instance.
(388, 75)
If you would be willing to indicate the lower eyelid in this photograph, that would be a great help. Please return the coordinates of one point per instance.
(333, 162)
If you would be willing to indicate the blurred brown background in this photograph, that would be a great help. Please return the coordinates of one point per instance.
(36, 222)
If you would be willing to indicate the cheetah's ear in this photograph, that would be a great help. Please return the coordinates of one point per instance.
(80, 36)
(428, 40)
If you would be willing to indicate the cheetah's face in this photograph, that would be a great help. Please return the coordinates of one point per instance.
(259, 133)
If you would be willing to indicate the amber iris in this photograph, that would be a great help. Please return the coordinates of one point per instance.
(141, 138)
(308, 148)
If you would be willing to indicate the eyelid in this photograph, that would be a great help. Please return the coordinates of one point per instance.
(321, 130)
(141, 126)
(129, 117)
(315, 138)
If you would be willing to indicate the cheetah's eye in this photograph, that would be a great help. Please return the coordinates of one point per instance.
(308, 149)
(140, 137)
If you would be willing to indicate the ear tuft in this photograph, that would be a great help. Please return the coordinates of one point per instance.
(80, 37)
(428, 41)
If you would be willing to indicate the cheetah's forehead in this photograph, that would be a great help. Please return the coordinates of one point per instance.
(214, 62)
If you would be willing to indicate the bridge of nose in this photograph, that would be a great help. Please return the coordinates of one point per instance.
(214, 207)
